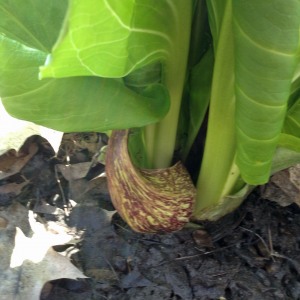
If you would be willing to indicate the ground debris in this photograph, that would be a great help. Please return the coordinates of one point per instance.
(252, 253)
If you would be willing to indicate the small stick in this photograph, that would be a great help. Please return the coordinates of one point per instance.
(65, 202)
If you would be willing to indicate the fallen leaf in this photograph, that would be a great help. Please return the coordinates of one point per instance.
(13, 188)
(202, 238)
(80, 141)
(135, 279)
(27, 263)
(12, 162)
(177, 278)
(102, 274)
(90, 192)
(75, 171)
(3, 223)
(45, 208)
(41, 240)
(26, 282)
(284, 187)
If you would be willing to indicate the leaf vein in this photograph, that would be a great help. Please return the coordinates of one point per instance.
(11, 16)
(258, 45)
(138, 30)
(257, 102)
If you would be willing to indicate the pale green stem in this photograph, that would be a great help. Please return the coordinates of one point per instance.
(149, 138)
(174, 79)
(215, 179)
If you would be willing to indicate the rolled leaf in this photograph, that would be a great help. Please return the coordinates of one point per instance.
(266, 36)
(148, 200)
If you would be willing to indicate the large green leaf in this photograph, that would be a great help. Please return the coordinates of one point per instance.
(266, 51)
(110, 38)
(27, 33)
(72, 104)
(33, 23)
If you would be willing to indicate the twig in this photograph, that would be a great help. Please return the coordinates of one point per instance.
(95, 157)
(195, 255)
(261, 239)
(111, 267)
(270, 239)
(65, 202)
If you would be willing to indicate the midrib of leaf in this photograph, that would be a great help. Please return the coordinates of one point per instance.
(21, 25)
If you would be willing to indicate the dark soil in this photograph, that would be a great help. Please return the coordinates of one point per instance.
(253, 253)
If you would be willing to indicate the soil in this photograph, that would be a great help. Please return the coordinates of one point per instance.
(252, 253)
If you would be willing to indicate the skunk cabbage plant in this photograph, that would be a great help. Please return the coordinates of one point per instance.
(169, 81)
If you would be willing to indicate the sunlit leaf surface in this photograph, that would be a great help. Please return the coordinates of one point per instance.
(110, 38)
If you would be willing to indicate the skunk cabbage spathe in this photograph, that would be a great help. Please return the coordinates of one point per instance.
(159, 200)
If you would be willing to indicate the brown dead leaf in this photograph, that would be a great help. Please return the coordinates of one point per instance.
(12, 162)
(13, 188)
(77, 141)
(75, 171)
(284, 187)
(3, 223)
(89, 191)
(202, 238)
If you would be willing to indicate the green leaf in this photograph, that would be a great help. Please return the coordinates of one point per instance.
(19, 68)
(72, 104)
(285, 158)
(216, 15)
(141, 78)
(199, 90)
(111, 38)
(266, 53)
(34, 23)
(290, 142)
